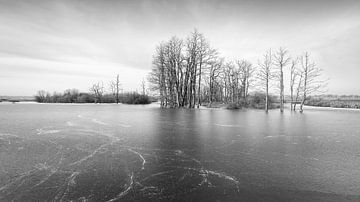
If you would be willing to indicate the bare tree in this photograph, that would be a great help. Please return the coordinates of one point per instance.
(293, 76)
(214, 73)
(227, 77)
(115, 88)
(245, 73)
(265, 75)
(299, 86)
(143, 87)
(97, 90)
(173, 71)
(192, 58)
(41, 96)
(311, 83)
(206, 56)
(281, 59)
(157, 77)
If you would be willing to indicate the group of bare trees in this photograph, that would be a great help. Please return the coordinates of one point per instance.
(97, 94)
(304, 76)
(98, 90)
(115, 88)
(189, 72)
(178, 67)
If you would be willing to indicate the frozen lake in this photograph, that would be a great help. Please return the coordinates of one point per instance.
(63, 152)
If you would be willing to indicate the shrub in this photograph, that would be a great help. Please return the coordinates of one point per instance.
(234, 105)
(258, 100)
(135, 98)
(73, 96)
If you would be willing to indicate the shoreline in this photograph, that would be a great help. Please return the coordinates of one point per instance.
(216, 107)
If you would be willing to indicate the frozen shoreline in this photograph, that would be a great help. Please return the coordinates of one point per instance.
(306, 107)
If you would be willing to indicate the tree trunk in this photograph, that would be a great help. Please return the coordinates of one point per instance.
(117, 89)
(281, 90)
(267, 97)
(199, 94)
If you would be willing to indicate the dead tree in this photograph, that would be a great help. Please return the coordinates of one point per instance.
(281, 59)
(265, 75)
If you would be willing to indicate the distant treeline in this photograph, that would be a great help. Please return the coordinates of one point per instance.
(16, 98)
(334, 101)
(336, 97)
(74, 96)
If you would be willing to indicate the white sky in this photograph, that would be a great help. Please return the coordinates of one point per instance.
(55, 45)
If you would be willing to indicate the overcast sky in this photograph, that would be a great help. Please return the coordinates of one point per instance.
(55, 45)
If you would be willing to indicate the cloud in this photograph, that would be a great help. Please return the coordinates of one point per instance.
(94, 40)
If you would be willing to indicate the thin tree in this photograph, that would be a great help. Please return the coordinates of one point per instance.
(214, 73)
(115, 88)
(311, 83)
(206, 55)
(265, 75)
(245, 73)
(299, 86)
(192, 58)
(143, 87)
(281, 60)
(293, 76)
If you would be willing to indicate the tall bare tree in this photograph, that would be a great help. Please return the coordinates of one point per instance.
(143, 87)
(265, 75)
(245, 73)
(214, 72)
(206, 55)
(281, 60)
(294, 73)
(298, 88)
(173, 64)
(115, 88)
(192, 58)
(228, 68)
(311, 83)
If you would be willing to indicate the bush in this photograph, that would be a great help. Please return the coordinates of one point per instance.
(74, 96)
(85, 98)
(135, 98)
(234, 105)
(108, 98)
(258, 100)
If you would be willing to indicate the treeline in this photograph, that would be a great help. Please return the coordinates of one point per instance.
(189, 72)
(336, 97)
(74, 96)
(335, 101)
(96, 94)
